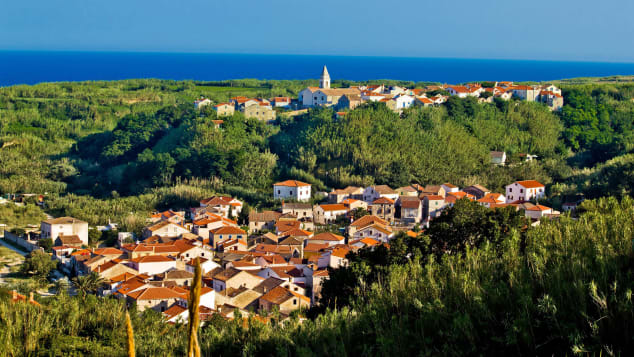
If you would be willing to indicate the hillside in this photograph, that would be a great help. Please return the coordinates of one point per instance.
(104, 149)
(560, 289)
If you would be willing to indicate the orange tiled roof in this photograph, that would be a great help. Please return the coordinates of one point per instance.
(333, 207)
(530, 184)
(328, 236)
(368, 220)
(107, 251)
(229, 230)
(152, 259)
(383, 201)
(291, 183)
(538, 208)
(340, 251)
(156, 293)
(279, 295)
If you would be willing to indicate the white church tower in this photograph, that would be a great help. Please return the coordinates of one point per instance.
(324, 81)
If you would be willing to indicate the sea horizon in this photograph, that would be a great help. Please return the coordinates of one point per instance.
(37, 66)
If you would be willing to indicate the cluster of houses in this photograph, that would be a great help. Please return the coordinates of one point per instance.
(395, 97)
(278, 260)
(258, 108)
(398, 98)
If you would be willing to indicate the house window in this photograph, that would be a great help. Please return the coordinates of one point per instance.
(294, 301)
(521, 190)
(291, 192)
(510, 190)
(279, 192)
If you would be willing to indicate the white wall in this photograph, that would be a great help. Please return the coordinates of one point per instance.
(516, 192)
(154, 268)
(301, 193)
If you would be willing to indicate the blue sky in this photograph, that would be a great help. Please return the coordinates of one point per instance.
(538, 29)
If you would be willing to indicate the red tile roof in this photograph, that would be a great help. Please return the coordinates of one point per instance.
(539, 208)
(156, 293)
(530, 184)
(327, 236)
(152, 259)
(333, 207)
(368, 220)
(383, 201)
(229, 230)
(291, 183)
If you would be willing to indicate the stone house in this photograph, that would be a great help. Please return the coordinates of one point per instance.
(384, 208)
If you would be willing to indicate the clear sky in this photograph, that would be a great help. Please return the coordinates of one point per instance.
(582, 30)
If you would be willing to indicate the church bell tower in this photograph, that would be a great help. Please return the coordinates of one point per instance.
(324, 81)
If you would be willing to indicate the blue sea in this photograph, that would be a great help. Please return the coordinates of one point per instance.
(30, 67)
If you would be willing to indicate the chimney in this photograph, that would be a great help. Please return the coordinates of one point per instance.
(31, 297)
(14, 294)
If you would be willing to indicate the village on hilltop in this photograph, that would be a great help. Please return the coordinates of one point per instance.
(396, 98)
(278, 261)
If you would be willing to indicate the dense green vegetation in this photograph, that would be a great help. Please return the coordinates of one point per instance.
(116, 150)
(20, 216)
(564, 287)
(477, 282)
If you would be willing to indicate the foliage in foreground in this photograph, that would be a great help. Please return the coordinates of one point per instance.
(565, 287)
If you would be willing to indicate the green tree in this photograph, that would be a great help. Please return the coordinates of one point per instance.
(38, 264)
(62, 285)
(46, 244)
(94, 236)
(87, 284)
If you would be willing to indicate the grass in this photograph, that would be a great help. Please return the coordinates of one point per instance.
(7, 254)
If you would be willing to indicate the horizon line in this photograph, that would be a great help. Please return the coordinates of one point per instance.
(122, 51)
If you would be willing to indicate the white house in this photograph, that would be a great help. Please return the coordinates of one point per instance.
(463, 92)
(525, 191)
(538, 211)
(404, 101)
(327, 238)
(164, 229)
(206, 265)
(371, 193)
(335, 257)
(281, 102)
(199, 103)
(152, 264)
(375, 231)
(292, 189)
(306, 97)
(449, 188)
(528, 93)
(373, 96)
(66, 226)
(223, 205)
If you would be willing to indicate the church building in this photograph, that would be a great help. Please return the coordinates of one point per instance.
(324, 95)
